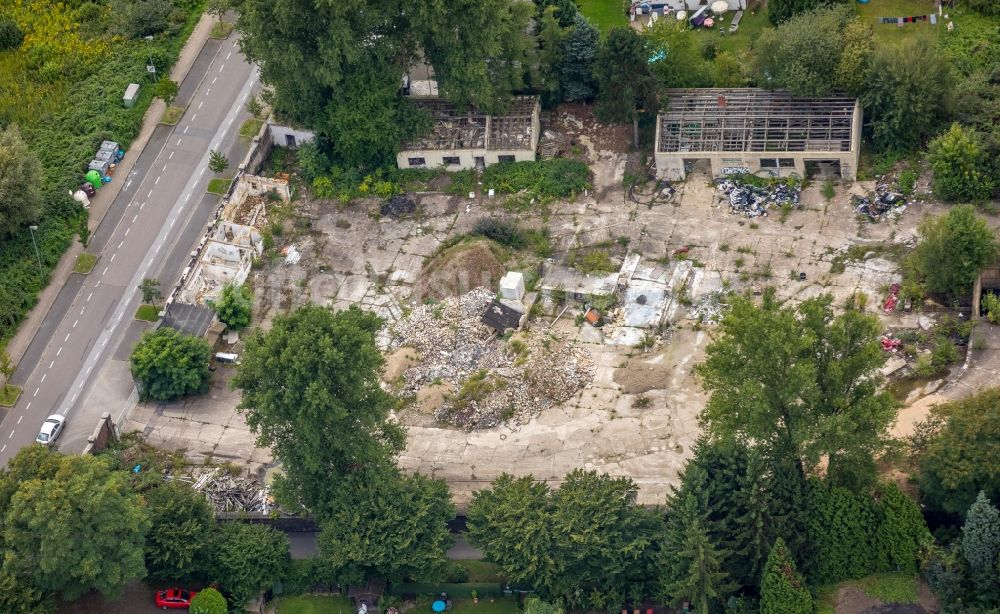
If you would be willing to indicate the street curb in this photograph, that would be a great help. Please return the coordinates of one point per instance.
(189, 53)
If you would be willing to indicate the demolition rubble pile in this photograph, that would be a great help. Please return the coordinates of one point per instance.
(228, 493)
(881, 204)
(493, 380)
(753, 201)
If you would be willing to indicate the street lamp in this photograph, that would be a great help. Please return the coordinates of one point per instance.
(35, 243)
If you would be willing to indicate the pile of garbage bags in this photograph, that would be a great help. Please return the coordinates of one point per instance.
(880, 205)
(753, 201)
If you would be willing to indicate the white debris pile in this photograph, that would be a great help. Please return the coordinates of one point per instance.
(495, 380)
(228, 493)
(709, 309)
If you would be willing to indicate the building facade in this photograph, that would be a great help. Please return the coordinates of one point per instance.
(750, 130)
(460, 141)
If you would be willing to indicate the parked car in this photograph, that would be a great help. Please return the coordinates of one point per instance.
(51, 429)
(174, 599)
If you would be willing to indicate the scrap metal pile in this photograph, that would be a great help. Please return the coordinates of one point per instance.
(228, 493)
(881, 204)
(493, 381)
(753, 201)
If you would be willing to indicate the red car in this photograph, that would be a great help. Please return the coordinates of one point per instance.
(174, 599)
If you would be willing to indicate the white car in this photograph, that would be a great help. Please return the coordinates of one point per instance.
(51, 429)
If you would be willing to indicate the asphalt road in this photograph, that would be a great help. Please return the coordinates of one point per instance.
(149, 231)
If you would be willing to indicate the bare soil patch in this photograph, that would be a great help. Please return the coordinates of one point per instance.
(642, 374)
(398, 362)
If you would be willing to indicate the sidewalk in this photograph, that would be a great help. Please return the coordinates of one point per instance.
(100, 204)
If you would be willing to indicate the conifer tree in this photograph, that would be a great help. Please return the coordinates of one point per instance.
(783, 590)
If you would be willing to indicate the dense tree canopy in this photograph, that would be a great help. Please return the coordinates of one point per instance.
(167, 364)
(625, 85)
(586, 542)
(962, 457)
(336, 66)
(71, 525)
(783, 590)
(981, 544)
(20, 178)
(248, 558)
(396, 528)
(579, 51)
(907, 94)
(311, 393)
(952, 251)
(181, 526)
(804, 54)
(692, 565)
(801, 382)
(234, 305)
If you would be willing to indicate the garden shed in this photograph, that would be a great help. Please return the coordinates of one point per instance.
(751, 130)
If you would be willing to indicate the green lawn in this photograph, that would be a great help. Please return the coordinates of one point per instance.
(250, 128)
(481, 571)
(750, 28)
(502, 605)
(312, 604)
(9, 394)
(604, 14)
(219, 185)
(147, 313)
(889, 588)
(892, 33)
(85, 263)
(172, 115)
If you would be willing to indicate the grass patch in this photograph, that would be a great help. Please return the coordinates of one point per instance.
(891, 588)
(604, 14)
(9, 394)
(250, 128)
(501, 605)
(481, 571)
(739, 43)
(313, 604)
(147, 313)
(172, 115)
(84, 263)
(219, 185)
(892, 34)
(222, 29)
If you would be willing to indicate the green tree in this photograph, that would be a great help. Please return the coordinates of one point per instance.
(167, 364)
(217, 162)
(181, 526)
(799, 381)
(692, 565)
(394, 527)
(478, 48)
(780, 11)
(728, 71)
(19, 596)
(679, 58)
(802, 54)
(20, 181)
(578, 54)
(842, 530)
(953, 249)
(981, 544)
(962, 457)
(75, 529)
(901, 534)
(234, 305)
(551, 39)
(961, 171)
(208, 601)
(218, 8)
(783, 591)
(150, 289)
(166, 90)
(856, 53)
(7, 368)
(248, 558)
(586, 542)
(624, 82)
(139, 18)
(907, 94)
(311, 393)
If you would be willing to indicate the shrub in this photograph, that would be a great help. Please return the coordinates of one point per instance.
(138, 18)
(10, 35)
(208, 601)
(991, 307)
(960, 166)
(557, 178)
(233, 306)
(504, 232)
(167, 364)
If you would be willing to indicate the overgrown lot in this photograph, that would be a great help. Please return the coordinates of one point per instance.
(62, 85)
